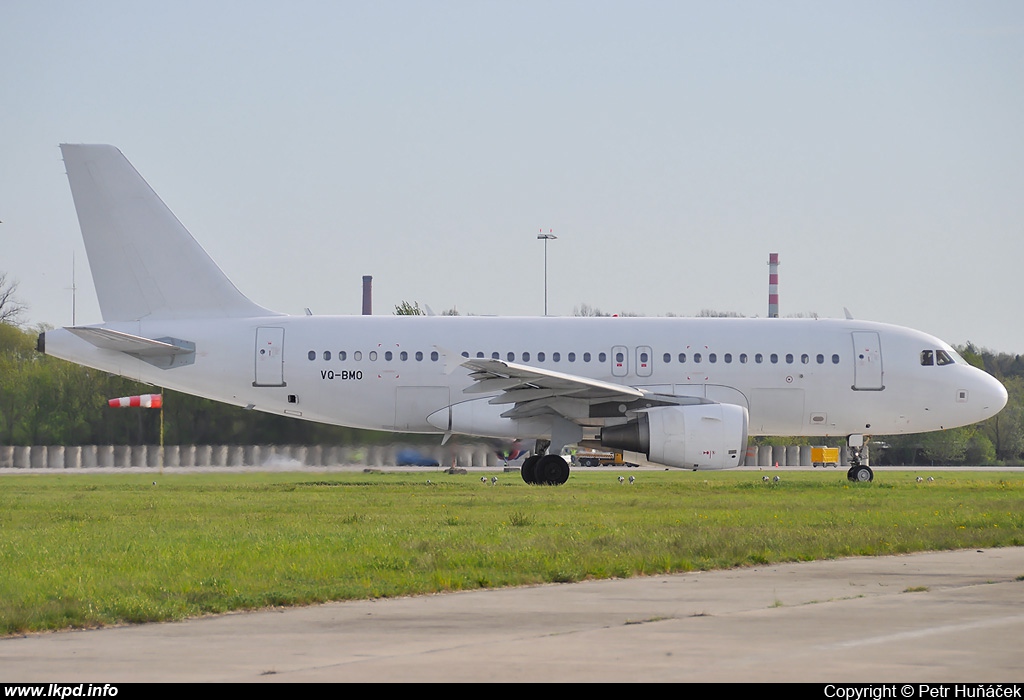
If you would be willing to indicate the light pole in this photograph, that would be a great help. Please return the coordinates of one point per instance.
(546, 237)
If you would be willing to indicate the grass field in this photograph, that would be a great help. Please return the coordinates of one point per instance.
(91, 550)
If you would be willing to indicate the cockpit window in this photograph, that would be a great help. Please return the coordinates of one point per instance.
(942, 358)
(927, 358)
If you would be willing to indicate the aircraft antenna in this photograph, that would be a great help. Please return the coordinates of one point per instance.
(74, 290)
(773, 285)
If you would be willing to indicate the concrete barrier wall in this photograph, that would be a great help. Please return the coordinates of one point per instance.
(55, 457)
(283, 456)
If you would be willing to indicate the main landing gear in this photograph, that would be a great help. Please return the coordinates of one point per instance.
(549, 470)
(545, 469)
(859, 471)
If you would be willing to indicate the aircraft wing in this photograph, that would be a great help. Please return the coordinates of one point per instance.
(534, 391)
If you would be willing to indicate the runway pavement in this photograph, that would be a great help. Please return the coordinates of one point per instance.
(943, 616)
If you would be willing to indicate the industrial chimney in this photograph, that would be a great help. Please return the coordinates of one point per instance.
(367, 295)
(773, 285)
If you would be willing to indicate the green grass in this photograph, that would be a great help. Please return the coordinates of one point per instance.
(88, 550)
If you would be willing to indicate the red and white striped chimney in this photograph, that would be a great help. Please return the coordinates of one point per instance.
(773, 285)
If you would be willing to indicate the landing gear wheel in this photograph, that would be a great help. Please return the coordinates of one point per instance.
(529, 471)
(552, 470)
(860, 473)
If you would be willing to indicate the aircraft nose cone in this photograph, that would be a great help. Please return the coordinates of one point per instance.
(993, 396)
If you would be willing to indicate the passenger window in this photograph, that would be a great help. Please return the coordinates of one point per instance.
(789, 358)
(480, 354)
(511, 357)
(388, 355)
(835, 359)
(327, 354)
(357, 355)
(619, 357)
(743, 358)
(433, 356)
(926, 358)
(758, 358)
(775, 359)
(586, 357)
(556, 356)
(419, 356)
(526, 357)
(728, 358)
(403, 355)
(342, 356)
(942, 358)
(643, 357)
(697, 357)
(805, 358)
(712, 358)
(373, 356)
(602, 357)
(312, 355)
(666, 358)
(495, 356)
(540, 357)
(572, 357)
(465, 354)
(820, 359)
(682, 358)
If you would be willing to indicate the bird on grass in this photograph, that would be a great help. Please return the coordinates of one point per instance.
(776, 479)
(764, 479)
(621, 479)
(494, 480)
(919, 479)
(483, 479)
(632, 478)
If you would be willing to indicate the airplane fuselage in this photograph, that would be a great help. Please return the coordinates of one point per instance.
(796, 377)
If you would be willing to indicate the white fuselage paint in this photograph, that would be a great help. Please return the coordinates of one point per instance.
(878, 385)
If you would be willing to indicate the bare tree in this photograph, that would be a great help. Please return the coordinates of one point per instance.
(588, 310)
(712, 313)
(11, 307)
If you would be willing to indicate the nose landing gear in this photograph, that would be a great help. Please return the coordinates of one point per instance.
(859, 471)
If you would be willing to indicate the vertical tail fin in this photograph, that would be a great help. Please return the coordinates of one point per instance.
(144, 262)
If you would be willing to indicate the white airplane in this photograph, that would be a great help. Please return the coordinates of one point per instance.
(687, 392)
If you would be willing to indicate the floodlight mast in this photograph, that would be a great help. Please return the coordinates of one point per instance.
(546, 237)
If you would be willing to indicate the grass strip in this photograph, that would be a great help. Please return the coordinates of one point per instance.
(89, 550)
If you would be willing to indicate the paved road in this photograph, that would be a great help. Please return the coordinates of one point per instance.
(864, 619)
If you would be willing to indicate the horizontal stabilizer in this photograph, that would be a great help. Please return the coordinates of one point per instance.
(162, 352)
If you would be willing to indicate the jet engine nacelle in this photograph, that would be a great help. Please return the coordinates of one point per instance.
(702, 436)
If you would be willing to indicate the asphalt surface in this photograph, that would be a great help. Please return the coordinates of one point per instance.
(932, 617)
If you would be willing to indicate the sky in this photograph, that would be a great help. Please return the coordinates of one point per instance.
(878, 147)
